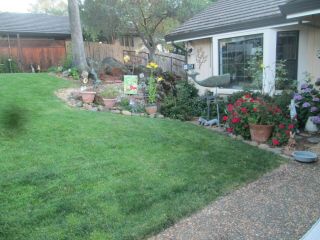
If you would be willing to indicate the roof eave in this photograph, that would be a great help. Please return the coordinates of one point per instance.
(229, 28)
(37, 34)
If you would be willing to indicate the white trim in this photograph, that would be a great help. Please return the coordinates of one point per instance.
(240, 32)
(303, 14)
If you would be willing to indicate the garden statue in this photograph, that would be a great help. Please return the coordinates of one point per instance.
(210, 82)
(291, 146)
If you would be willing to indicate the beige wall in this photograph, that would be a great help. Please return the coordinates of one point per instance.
(309, 44)
(201, 57)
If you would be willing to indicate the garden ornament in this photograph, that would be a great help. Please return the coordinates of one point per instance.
(202, 121)
(210, 82)
(293, 111)
(291, 146)
(212, 122)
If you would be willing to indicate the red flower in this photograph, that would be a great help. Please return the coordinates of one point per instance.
(244, 110)
(235, 120)
(275, 142)
(291, 126)
(255, 109)
(281, 126)
(247, 95)
(230, 108)
(252, 100)
(225, 118)
(229, 130)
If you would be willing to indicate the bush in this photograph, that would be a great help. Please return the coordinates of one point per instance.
(7, 66)
(185, 105)
(258, 110)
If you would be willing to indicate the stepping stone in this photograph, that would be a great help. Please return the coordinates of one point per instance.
(313, 140)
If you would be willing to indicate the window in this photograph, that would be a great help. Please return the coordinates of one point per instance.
(287, 50)
(235, 57)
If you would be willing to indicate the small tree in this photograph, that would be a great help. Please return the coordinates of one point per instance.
(53, 7)
(149, 19)
(78, 53)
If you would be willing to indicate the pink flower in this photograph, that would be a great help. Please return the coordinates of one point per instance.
(291, 126)
(244, 110)
(275, 142)
(229, 130)
(225, 118)
(235, 120)
(230, 107)
(281, 126)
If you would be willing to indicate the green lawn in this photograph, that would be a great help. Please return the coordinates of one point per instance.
(73, 174)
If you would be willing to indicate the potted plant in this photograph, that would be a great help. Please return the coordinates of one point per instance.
(151, 107)
(109, 96)
(86, 93)
(252, 118)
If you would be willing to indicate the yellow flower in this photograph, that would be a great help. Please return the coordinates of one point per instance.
(126, 58)
(159, 79)
(152, 65)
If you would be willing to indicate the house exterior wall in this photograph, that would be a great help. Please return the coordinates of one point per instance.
(309, 45)
(308, 61)
(201, 57)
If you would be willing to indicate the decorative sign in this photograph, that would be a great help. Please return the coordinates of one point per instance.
(130, 84)
(188, 66)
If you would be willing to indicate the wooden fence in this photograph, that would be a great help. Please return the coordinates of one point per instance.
(43, 52)
(99, 51)
(167, 61)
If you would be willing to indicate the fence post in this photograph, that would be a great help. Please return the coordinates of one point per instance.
(171, 64)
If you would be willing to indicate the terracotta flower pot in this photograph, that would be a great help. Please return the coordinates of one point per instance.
(260, 133)
(109, 102)
(151, 109)
(88, 97)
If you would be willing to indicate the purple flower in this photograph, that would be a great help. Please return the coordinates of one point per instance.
(313, 109)
(315, 99)
(304, 86)
(306, 90)
(306, 105)
(297, 97)
(315, 120)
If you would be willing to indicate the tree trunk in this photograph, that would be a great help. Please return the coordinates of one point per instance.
(152, 52)
(78, 53)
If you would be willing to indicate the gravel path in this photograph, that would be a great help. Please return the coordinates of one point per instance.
(283, 204)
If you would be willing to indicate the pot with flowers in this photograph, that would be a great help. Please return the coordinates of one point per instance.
(109, 96)
(151, 106)
(86, 94)
(252, 118)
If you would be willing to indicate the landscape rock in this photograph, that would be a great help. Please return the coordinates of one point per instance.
(100, 108)
(152, 115)
(263, 146)
(313, 140)
(115, 111)
(79, 104)
(127, 113)
(160, 116)
(87, 106)
(65, 73)
(109, 63)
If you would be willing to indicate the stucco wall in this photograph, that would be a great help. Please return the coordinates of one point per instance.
(201, 57)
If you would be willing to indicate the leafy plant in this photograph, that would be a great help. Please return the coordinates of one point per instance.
(185, 104)
(8, 65)
(256, 110)
(255, 68)
(74, 73)
(152, 84)
(110, 92)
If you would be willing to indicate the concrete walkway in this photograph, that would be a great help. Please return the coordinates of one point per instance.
(283, 204)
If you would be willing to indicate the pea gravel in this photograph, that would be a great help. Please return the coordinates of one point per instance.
(282, 204)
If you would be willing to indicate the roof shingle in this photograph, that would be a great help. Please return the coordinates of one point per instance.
(29, 23)
(230, 15)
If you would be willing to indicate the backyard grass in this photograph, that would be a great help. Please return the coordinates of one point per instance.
(73, 174)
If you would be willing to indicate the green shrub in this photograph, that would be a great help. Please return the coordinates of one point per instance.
(74, 73)
(185, 105)
(7, 66)
(67, 62)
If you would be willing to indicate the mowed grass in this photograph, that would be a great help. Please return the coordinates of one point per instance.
(73, 174)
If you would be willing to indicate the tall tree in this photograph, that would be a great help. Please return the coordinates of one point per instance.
(78, 53)
(53, 7)
(101, 18)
